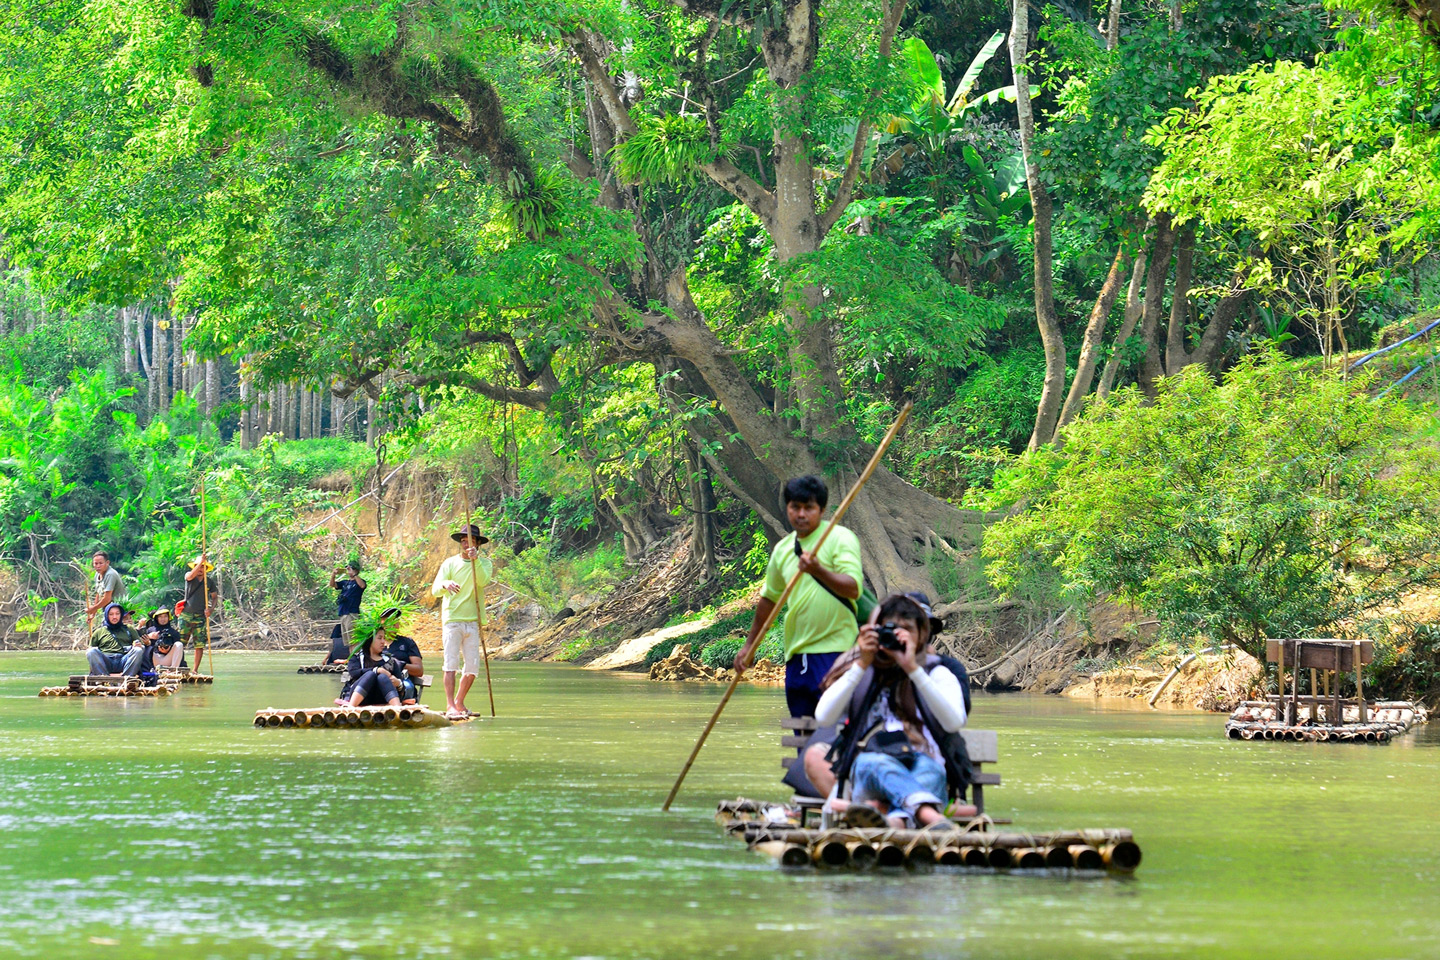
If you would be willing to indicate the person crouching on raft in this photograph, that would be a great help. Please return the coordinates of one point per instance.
(899, 704)
(462, 614)
(115, 647)
(373, 677)
(819, 623)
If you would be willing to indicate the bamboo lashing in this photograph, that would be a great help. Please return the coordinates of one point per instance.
(479, 594)
(789, 587)
(205, 576)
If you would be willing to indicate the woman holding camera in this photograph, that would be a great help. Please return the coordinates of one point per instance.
(372, 674)
(901, 708)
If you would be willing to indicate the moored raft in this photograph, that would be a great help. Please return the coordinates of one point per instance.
(81, 685)
(971, 845)
(1383, 721)
(322, 668)
(353, 717)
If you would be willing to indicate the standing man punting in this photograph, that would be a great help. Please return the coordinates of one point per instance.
(819, 625)
(462, 614)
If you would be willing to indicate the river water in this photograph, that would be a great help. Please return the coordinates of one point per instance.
(172, 828)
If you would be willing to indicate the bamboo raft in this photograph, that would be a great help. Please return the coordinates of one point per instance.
(322, 668)
(970, 845)
(354, 717)
(1383, 721)
(81, 685)
(185, 676)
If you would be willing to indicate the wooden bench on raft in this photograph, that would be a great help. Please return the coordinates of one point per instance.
(982, 745)
(1330, 658)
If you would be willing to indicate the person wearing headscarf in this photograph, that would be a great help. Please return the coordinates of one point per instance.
(115, 647)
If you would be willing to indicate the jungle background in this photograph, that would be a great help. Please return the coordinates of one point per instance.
(1160, 279)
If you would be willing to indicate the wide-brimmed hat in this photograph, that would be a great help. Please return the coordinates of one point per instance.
(936, 624)
(475, 535)
(159, 610)
(195, 562)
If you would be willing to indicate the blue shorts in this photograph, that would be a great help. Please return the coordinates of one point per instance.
(803, 675)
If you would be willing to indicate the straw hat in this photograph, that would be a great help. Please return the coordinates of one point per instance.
(209, 567)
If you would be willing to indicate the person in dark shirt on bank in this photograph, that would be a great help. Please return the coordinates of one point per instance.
(347, 607)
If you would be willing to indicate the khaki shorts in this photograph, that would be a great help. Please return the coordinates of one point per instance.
(461, 637)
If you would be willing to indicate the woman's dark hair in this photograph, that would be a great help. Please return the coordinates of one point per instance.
(899, 605)
(806, 488)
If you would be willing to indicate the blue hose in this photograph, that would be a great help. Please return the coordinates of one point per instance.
(1412, 373)
(1371, 356)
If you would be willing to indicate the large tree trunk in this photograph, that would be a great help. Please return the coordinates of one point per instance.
(128, 322)
(212, 387)
(1152, 367)
(1133, 306)
(1176, 357)
(1094, 337)
(247, 439)
(1053, 338)
(303, 430)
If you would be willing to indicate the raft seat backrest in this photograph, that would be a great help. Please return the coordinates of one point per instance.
(982, 745)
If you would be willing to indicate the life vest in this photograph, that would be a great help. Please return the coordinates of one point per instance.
(959, 771)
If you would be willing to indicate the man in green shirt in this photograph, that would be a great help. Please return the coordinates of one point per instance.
(819, 626)
(462, 613)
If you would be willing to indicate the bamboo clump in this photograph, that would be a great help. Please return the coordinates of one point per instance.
(353, 717)
(322, 668)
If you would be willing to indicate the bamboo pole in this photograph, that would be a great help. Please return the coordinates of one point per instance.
(204, 575)
(789, 587)
(479, 596)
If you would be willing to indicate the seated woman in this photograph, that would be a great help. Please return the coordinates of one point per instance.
(900, 708)
(406, 652)
(372, 676)
(169, 651)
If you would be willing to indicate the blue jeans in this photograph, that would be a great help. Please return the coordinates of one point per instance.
(878, 776)
(103, 664)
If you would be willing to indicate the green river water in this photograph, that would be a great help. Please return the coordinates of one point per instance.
(172, 828)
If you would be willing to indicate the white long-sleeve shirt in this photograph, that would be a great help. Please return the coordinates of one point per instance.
(938, 688)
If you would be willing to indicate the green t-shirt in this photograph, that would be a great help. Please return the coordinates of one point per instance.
(815, 622)
(461, 607)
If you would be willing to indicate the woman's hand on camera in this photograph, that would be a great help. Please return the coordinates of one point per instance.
(905, 656)
(868, 644)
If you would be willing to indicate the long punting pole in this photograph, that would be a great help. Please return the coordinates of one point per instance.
(775, 610)
(479, 596)
(89, 617)
(204, 575)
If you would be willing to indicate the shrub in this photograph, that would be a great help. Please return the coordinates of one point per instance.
(1275, 504)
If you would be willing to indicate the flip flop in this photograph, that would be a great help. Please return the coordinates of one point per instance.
(457, 714)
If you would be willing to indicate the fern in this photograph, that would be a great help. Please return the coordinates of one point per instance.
(666, 149)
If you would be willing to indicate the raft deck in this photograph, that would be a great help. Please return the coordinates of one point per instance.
(83, 685)
(1383, 721)
(185, 676)
(354, 718)
(967, 845)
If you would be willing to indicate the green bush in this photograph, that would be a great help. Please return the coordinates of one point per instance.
(735, 623)
(721, 653)
(1279, 503)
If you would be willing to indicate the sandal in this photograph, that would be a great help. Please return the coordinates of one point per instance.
(859, 816)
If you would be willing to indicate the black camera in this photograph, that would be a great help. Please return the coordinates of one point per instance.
(887, 639)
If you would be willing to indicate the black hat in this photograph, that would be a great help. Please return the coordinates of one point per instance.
(165, 640)
(936, 624)
(474, 531)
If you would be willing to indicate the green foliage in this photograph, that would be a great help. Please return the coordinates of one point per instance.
(666, 149)
(721, 653)
(1279, 503)
(736, 623)
(542, 573)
